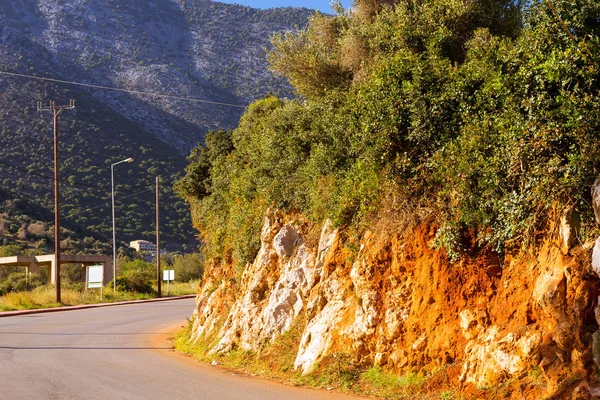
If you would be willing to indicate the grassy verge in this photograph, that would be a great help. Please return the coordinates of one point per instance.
(336, 372)
(45, 296)
(179, 288)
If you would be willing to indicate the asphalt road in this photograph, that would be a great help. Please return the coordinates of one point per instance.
(119, 353)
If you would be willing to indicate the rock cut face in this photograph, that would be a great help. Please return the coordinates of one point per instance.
(284, 242)
(397, 303)
(275, 288)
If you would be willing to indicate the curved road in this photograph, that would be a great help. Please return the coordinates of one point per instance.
(119, 353)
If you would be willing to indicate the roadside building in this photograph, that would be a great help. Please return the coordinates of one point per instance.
(143, 245)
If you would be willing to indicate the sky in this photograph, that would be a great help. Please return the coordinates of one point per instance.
(321, 5)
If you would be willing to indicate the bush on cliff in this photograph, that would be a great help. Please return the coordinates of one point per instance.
(485, 113)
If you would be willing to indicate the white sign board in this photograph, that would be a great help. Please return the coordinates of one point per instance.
(169, 275)
(95, 276)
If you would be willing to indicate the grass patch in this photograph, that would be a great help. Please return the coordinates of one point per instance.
(179, 288)
(388, 385)
(275, 361)
(198, 349)
(45, 296)
(336, 371)
(449, 395)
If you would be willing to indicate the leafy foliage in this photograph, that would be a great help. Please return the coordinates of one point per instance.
(188, 267)
(136, 276)
(484, 113)
(18, 282)
(310, 58)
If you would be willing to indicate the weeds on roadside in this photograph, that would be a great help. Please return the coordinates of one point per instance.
(276, 361)
(45, 296)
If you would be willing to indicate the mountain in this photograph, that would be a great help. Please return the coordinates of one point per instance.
(203, 50)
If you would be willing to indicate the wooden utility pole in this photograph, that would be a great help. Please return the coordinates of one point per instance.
(158, 277)
(56, 111)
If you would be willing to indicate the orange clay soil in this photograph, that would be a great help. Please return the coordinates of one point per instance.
(430, 292)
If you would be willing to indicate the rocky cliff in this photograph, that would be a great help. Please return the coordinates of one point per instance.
(524, 320)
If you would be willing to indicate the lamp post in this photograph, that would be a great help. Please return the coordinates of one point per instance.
(112, 185)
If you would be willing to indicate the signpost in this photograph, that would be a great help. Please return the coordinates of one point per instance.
(168, 275)
(95, 277)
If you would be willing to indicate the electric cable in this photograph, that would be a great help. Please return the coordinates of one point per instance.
(166, 96)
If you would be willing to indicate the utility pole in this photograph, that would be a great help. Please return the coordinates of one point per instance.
(56, 111)
(158, 277)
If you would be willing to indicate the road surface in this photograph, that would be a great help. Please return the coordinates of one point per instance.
(119, 353)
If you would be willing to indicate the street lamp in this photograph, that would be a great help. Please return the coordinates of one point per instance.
(112, 185)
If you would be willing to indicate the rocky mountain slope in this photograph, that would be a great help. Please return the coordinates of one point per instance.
(198, 49)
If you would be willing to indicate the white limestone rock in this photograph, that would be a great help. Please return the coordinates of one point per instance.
(551, 282)
(317, 337)
(569, 229)
(275, 289)
(491, 356)
(285, 241)
(596, 199)
(596, 257)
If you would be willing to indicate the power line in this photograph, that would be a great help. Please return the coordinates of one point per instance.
(166, 96)
(24, 170)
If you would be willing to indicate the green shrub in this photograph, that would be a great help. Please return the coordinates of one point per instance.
(19, 282)
(129, 267)
(138, 282)
(136, 276)
(188, 267)
(480, 112)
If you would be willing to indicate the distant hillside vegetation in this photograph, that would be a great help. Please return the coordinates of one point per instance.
(197, 49)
